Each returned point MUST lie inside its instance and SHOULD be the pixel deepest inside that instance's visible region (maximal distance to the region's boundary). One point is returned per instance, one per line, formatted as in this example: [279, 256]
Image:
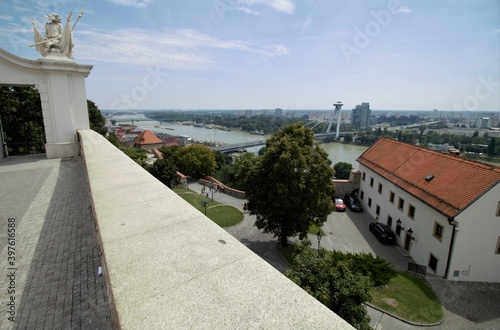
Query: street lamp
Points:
[319, 235]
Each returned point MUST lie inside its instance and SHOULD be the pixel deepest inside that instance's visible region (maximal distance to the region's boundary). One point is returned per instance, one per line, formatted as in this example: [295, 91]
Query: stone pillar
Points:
[61, 83]
[65, 99]
[355, 178]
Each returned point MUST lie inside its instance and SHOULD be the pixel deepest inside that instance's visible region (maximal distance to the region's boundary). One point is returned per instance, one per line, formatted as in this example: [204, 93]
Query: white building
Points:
[444, 210]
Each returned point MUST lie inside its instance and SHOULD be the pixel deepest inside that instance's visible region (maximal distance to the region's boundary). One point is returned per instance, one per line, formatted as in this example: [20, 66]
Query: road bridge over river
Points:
[248, 144]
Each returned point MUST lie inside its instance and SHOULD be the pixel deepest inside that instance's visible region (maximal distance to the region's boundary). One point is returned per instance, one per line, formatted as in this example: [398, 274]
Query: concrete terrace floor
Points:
[56, 248]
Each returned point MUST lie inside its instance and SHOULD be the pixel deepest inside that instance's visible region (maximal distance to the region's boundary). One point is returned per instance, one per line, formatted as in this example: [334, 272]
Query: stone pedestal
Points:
[61, 83]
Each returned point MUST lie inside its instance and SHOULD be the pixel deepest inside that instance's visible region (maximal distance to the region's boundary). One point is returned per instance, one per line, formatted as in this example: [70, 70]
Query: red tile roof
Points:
[456, 182]
[147, 137]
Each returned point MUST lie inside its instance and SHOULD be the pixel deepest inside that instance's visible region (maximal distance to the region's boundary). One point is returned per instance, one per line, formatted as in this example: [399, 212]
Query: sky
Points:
[266, 54]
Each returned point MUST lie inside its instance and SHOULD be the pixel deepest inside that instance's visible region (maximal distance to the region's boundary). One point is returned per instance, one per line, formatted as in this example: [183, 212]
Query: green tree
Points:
[114, 139]
[244, 165]
[491, 147]
[342, 170]
[333, 283]
[222, 159]
[290, 185]
[138, 154]
[348, 138]
[170, 152]
[196, 161]
[96, 119]
[22, 120]
[165, 171]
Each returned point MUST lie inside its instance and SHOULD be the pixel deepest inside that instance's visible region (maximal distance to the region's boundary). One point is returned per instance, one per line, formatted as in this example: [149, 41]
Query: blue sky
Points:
[265, 54]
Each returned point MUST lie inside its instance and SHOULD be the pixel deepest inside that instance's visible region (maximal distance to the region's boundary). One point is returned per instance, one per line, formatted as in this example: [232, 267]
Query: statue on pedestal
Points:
[57, 40]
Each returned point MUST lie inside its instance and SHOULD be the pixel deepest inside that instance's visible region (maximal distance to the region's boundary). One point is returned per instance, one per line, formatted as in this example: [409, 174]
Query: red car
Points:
[339, 205]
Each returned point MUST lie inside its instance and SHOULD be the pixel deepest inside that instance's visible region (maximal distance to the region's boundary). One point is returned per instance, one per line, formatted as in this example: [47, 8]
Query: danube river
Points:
[337, 152]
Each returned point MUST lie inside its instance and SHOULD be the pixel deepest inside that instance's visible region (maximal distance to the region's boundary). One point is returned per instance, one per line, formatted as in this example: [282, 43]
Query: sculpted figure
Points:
[57, 39]
[53, 32]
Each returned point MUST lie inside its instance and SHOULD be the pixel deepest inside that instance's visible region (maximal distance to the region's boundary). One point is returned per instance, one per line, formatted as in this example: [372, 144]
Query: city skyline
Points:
[267, 54]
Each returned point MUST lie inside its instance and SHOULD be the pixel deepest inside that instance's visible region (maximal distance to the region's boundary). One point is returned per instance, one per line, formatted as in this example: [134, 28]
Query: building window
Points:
[377, 210]
[401, 204]
[364, 176]
[371, 182]
[433, 262]
[498, 209]
[411, 212]
[391, 197]
[361, 194]
[379, 188]
[497, 251]
[438, 231]
[389, 221]
[369, 202]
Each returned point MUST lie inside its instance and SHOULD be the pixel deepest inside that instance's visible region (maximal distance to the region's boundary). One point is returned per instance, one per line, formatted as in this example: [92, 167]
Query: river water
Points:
[337, 152]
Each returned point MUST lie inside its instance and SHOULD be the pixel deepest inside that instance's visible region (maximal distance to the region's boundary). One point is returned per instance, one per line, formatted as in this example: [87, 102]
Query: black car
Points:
[383, 232]
[353, 203]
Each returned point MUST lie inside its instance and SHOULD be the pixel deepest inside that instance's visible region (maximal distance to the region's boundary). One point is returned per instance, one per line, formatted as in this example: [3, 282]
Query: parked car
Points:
[353, 203]
[339, 205]
[383, 232]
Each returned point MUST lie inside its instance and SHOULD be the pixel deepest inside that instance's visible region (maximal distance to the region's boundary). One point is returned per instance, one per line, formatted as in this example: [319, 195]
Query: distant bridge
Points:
[238, 146]
[126, 112]
[243, 145]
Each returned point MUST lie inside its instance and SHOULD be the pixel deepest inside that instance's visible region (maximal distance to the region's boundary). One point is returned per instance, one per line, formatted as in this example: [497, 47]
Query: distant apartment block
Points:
[361, 115]
[484, 122]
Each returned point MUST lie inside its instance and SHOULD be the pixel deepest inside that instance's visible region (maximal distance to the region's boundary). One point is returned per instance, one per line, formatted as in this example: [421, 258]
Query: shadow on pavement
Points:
[267, 250]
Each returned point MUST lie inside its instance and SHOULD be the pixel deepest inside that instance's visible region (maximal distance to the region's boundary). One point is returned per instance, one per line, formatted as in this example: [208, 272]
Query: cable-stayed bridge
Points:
[243, 145]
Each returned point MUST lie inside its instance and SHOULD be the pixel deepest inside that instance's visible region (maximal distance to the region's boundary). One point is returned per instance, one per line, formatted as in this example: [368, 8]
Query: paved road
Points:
[467, 305]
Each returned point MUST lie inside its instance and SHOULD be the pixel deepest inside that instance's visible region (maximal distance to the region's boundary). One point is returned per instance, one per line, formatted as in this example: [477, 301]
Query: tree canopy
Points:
[22, 120]
[334, 283]
[342, 170]
[96, 119]
[165, 171]
[196, 160]
[290, 184]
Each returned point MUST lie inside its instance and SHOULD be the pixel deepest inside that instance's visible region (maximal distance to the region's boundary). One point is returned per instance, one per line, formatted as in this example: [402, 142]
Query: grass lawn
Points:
[221, 214]
[313, 229]
[410, 298]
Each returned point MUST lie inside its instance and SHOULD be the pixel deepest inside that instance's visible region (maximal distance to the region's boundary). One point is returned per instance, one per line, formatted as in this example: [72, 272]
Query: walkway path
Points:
[348, 232]
[56, 250]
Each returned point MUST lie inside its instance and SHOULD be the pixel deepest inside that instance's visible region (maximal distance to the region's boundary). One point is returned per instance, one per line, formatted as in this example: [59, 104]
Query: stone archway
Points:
[61, 83]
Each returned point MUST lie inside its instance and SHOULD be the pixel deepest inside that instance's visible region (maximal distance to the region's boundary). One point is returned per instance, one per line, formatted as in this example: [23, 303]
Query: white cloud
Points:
[404, 10]
[6, 17]
[497, 31]
[278, 50]
[284, 6]
[247, 10]
[175, 49]
[132, 3]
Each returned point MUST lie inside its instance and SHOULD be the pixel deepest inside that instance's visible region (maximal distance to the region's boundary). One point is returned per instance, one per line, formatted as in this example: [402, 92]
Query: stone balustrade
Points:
[167, 266]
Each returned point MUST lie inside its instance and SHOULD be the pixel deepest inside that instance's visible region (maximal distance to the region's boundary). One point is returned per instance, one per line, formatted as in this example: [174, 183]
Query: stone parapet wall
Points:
[209, 180]
[167, 266]
[343, 187]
